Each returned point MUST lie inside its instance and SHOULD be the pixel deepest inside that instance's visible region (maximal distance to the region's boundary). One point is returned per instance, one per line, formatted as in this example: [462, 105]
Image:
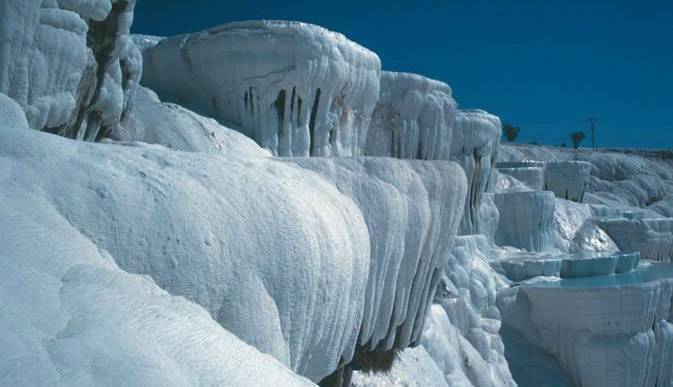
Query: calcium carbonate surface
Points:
[295, 88]
[206, 227]
[526, 220]
[462, 329]
[413, 119]
[610, 331]
[412, 210]
[69, 64]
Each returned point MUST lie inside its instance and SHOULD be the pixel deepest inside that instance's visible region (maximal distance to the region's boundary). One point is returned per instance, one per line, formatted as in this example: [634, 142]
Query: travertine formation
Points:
[604, 321]
[178, 251]
[70, 64]
[151, 121]
[295, 88]
[206, 227]
[526, 220]
[475, 148]
[523, 266]
[461, 333]
[567, 179]
[531, 173]
[412, 210]
[417, 118]
[413, 119]
[71, 316]
[653, 238]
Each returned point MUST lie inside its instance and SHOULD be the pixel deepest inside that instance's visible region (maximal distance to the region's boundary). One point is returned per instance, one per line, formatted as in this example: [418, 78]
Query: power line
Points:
[608, 142]
[592, 122]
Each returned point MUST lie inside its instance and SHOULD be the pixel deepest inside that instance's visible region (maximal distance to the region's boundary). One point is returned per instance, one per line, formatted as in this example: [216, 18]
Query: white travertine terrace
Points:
[489, 217]
[567, 179]
[526, 220]
[206, 227]
[611, 331]
[153, 122]
[461, 333]
[413, 119]
[295, 88]
[653, 238]
[78, 222]
[530, 173]
[178, 251]
[412, 210]
[476, 136]
[520, 267]
[11, 113]
[575, 230]
[417, 118]
[69, 64]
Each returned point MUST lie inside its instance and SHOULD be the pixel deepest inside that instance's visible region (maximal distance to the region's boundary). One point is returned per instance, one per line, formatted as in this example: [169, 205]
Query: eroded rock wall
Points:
[412, 209]
[295, 88]
[413, 119]
[69, 64]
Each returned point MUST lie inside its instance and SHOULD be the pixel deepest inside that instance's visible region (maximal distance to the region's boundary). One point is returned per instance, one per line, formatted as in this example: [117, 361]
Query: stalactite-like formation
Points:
[338, 79]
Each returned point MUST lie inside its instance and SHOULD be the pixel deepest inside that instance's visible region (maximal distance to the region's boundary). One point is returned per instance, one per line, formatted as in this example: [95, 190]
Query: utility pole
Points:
[592, 122]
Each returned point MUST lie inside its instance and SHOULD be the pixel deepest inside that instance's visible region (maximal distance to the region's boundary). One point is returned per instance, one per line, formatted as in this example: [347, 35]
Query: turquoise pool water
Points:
[646, 272]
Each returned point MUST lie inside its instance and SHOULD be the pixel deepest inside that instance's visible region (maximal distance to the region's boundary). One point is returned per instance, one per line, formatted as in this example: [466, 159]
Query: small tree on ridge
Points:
[511, 132]
[577, 138]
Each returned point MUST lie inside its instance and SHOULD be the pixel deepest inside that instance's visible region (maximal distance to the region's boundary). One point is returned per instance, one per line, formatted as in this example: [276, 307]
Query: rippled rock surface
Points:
[412, 210]
[206, 227]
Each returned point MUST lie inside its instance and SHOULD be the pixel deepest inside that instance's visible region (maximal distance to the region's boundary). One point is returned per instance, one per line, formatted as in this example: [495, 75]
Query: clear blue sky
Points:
[542, 65]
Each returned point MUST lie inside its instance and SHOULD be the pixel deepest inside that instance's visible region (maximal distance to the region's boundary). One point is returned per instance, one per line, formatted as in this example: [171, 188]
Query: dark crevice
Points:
[101, 39]
[474, 189]
[84, 95]
[127, 74]
[292, 103]
[400, 151]
[373, 361]
[332, 136]
[102, 133]
[252, 103]
[397, 145]
[280, 108]
[299, 123]
[364, 361]
[341, 377]
[245, 100]
[311, 124]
